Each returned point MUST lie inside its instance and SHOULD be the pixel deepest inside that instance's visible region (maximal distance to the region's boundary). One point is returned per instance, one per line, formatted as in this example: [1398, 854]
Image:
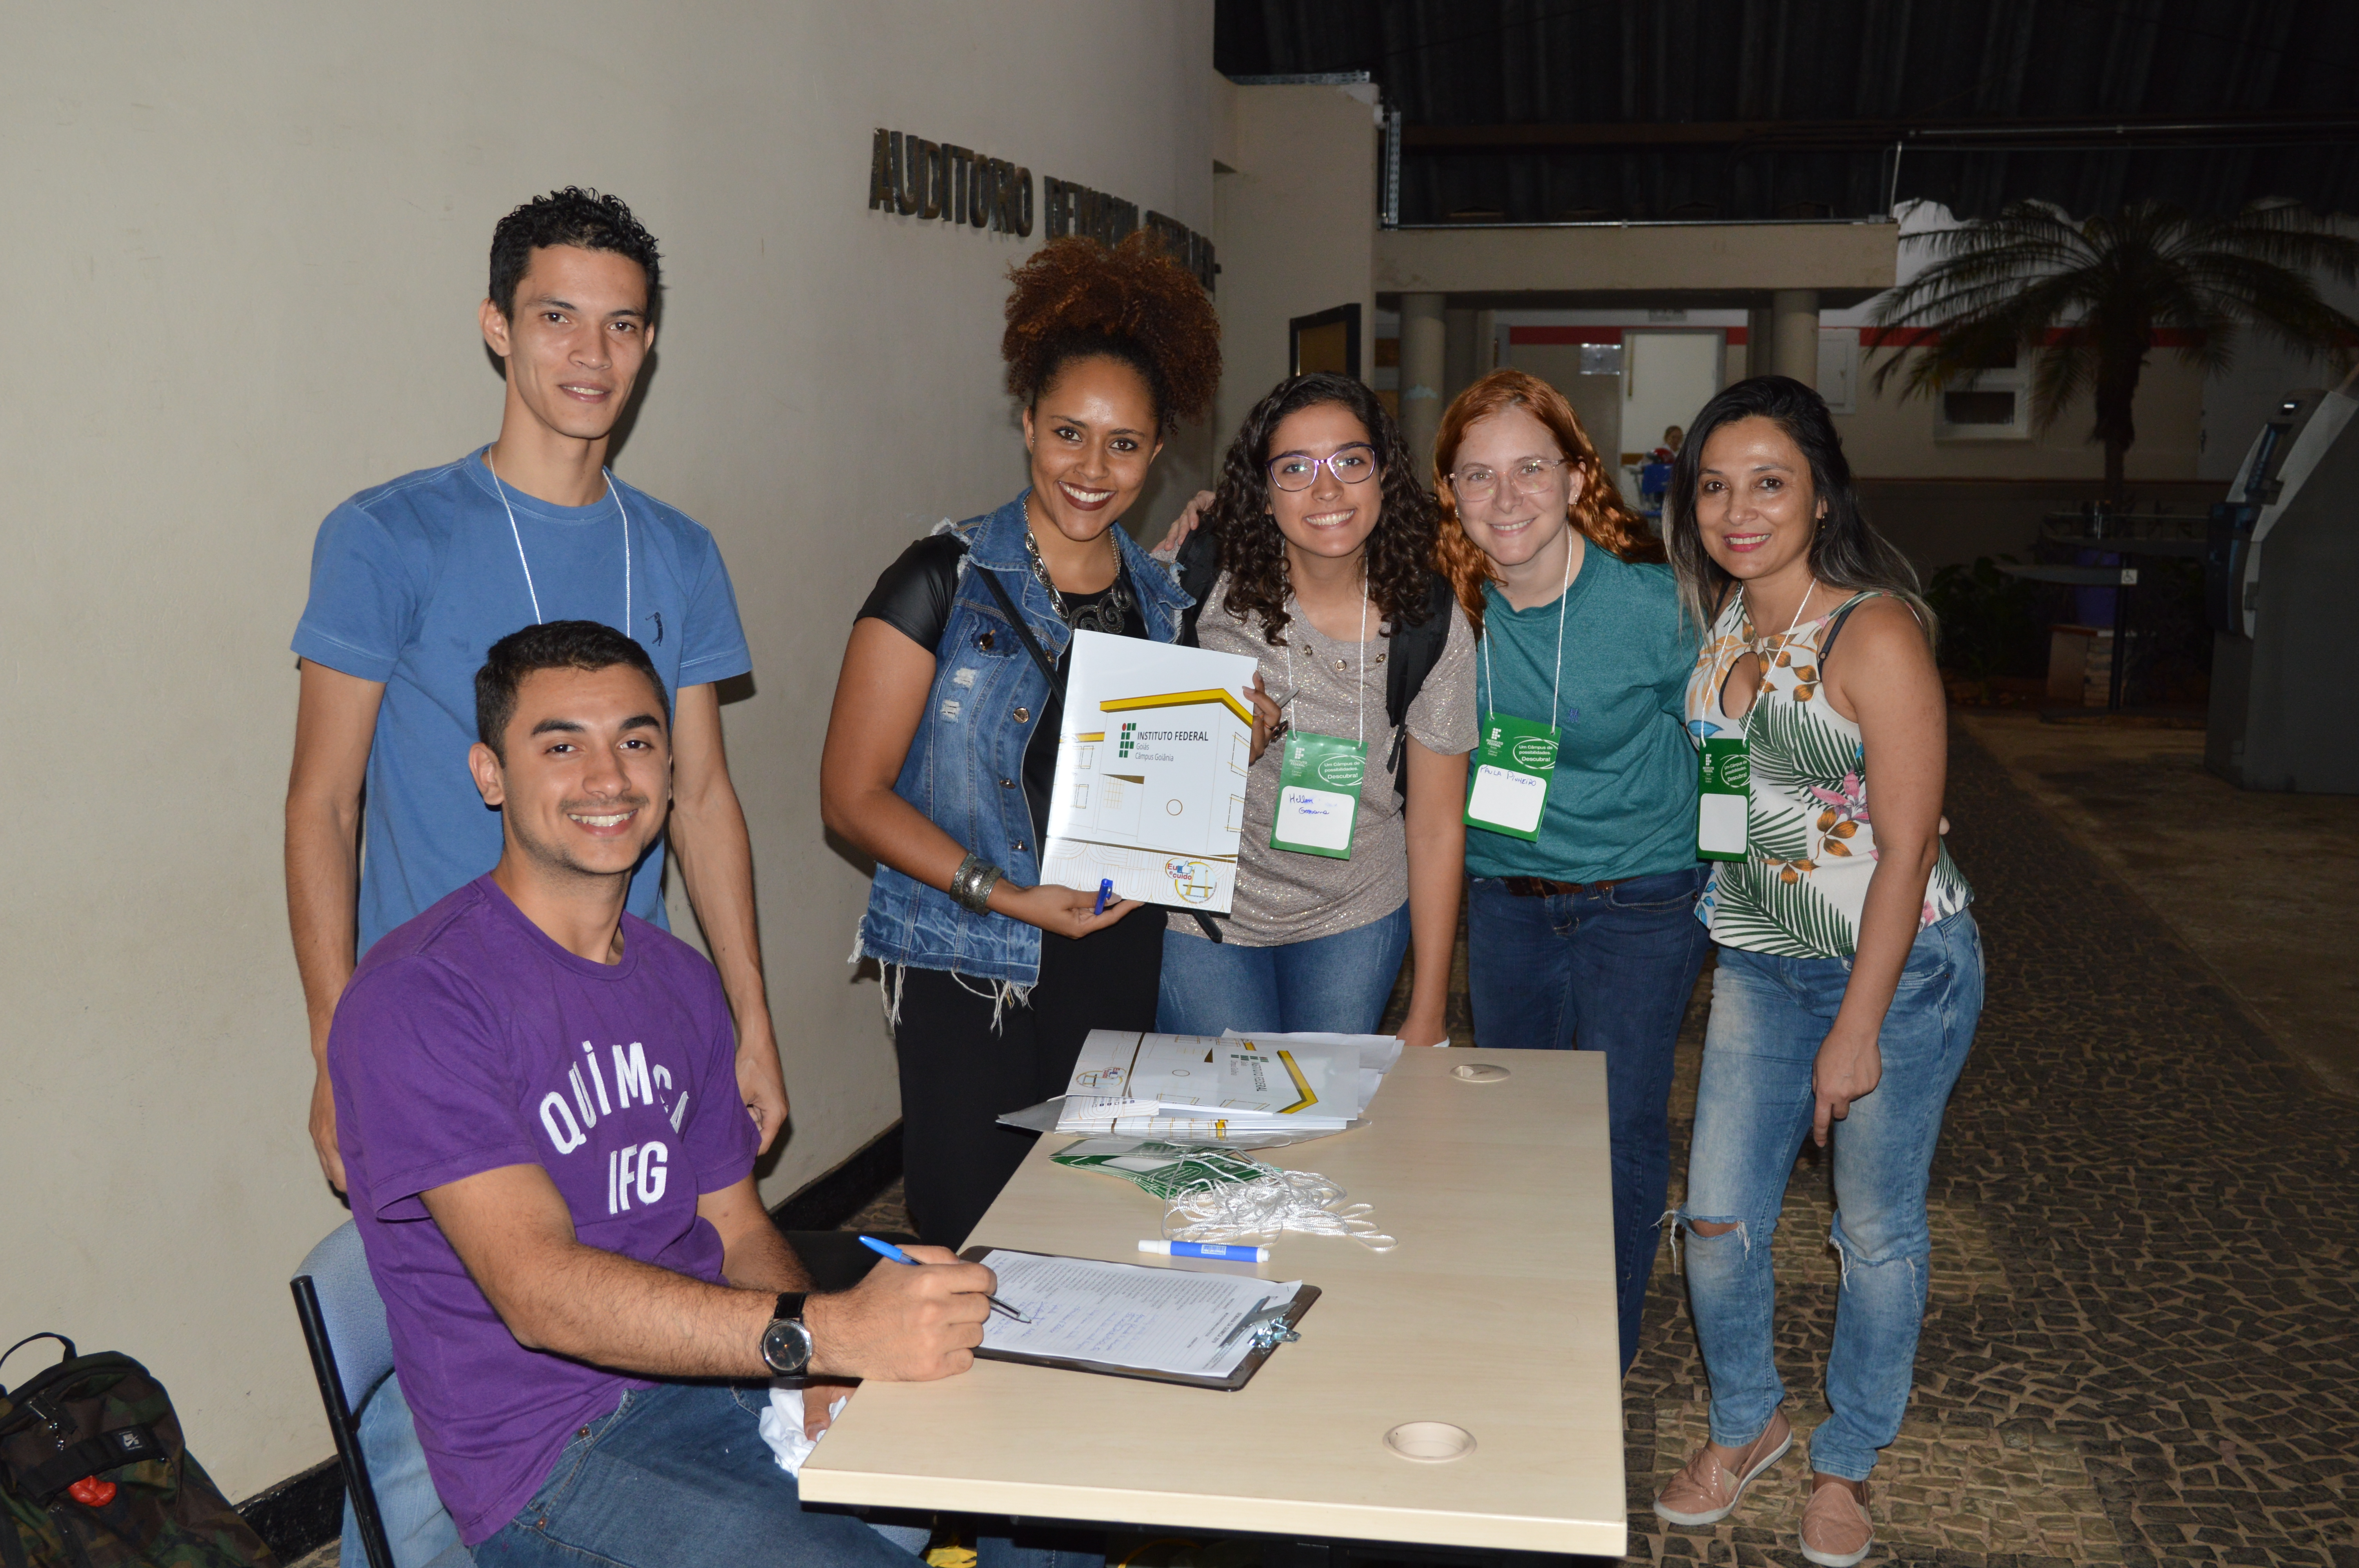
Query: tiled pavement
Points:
[2143, 1342]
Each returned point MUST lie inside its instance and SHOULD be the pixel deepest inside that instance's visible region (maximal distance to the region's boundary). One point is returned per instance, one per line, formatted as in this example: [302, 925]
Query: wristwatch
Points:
[786, 1344]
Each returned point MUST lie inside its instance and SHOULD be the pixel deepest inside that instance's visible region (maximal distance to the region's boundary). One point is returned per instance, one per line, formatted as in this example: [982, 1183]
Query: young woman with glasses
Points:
[1352, 848]
[1850, 977]
[941, 749]
[1580, 929]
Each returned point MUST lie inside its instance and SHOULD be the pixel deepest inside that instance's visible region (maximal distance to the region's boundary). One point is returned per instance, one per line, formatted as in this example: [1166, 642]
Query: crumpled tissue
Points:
[782, 1427]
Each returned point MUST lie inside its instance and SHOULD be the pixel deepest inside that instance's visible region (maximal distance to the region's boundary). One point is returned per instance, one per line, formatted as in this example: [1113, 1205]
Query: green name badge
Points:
[1318, 794]
[1723, 788]
[1513, 764]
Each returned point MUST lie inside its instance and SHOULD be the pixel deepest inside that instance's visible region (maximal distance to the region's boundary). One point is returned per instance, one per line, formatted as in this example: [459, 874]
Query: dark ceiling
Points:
[1552, 110]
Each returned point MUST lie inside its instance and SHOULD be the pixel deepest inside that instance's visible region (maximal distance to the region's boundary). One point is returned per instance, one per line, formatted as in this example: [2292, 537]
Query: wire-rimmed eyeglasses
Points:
[1528, 475]
[1298, 470]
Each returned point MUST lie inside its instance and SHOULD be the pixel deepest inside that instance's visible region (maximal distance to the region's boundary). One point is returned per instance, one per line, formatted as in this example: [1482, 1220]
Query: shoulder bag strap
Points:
[1414, 651]
[1199, 571]
[1015, 619]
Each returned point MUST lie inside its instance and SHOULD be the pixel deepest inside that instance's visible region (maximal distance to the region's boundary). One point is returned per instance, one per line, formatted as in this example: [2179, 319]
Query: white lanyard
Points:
[516, 533]
[1360, 692]
[1756, 653]
[1556, 691]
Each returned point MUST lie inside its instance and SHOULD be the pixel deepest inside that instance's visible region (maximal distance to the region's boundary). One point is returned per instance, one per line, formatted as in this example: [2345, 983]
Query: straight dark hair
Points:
[1846, 553]
[586, 645]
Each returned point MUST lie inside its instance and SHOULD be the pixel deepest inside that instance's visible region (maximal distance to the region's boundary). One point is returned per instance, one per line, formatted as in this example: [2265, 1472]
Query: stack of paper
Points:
[1195, 1087]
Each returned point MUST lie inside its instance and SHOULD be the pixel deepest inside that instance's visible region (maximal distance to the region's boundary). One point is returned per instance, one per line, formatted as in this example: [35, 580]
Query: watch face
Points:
[787, 1347]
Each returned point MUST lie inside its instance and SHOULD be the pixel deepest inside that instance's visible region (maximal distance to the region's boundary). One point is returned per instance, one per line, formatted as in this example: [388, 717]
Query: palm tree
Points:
[2086, 300]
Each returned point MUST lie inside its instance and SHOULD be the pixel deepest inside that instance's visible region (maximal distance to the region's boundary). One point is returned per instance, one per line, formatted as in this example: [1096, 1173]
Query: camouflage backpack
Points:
[93, 1474]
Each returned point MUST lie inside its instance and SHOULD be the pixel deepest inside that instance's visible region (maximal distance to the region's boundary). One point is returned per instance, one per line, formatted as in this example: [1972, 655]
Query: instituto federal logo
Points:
[1129, 739]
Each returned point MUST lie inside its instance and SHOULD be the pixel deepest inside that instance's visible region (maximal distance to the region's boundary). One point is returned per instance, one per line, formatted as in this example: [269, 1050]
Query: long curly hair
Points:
[1252, 551]
[1076, 300]
[1599, 511]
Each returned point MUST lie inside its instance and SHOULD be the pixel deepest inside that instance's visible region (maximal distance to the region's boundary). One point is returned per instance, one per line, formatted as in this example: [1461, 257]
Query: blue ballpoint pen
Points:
[1105, 892]
[886, 1250]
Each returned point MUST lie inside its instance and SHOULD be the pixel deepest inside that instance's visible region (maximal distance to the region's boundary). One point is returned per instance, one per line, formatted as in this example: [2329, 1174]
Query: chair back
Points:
[351, 1352]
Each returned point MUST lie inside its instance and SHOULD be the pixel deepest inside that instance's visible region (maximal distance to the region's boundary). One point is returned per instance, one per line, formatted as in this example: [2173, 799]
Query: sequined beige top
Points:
[1338, 690]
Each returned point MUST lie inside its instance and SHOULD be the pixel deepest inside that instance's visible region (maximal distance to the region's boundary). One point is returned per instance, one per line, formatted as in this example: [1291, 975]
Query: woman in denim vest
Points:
[943, 745]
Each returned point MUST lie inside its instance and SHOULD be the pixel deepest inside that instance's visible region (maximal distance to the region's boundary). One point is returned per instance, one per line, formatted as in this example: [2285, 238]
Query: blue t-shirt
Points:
[1623, 800]
[411, 584]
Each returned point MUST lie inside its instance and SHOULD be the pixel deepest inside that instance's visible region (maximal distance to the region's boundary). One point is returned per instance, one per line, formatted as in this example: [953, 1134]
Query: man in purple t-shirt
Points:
[552, 1170]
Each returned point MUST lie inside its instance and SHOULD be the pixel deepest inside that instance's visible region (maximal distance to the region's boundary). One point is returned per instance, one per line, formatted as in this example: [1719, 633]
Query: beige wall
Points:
[247, 242]
[1892, 438]
[1295, 223]
[1648, 259]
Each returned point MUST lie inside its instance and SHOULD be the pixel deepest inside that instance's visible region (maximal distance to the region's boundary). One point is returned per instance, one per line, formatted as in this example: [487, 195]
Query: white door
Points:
[1666, 377]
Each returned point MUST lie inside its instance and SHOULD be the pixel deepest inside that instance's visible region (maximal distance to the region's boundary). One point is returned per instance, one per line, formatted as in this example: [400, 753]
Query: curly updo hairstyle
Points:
[1253, 552]
[1075, 299]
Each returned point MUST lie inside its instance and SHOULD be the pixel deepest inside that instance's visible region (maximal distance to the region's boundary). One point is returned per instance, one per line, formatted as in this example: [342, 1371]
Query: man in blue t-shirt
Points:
[413, 580]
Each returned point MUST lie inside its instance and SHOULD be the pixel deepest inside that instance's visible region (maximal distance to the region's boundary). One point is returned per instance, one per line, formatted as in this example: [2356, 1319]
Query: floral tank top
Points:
[1809, 841]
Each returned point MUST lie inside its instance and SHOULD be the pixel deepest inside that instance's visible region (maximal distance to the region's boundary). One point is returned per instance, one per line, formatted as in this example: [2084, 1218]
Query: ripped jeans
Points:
[1753, 1111]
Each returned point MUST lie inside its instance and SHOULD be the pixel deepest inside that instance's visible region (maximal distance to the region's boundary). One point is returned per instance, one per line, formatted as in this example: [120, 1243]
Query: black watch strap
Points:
[790, 1305]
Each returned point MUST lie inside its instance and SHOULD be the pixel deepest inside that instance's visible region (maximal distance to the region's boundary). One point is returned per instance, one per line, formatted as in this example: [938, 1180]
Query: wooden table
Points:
[1495, 1314]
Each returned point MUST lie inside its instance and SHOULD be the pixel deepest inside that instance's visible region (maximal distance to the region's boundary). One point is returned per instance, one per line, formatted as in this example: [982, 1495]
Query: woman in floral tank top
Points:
[1850, 974]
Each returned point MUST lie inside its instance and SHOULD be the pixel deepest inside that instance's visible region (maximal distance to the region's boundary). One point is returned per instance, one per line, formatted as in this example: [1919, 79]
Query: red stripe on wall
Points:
[1538, 335]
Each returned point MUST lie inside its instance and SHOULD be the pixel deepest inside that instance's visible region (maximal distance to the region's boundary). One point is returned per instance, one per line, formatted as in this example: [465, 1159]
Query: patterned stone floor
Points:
[2143, 1342]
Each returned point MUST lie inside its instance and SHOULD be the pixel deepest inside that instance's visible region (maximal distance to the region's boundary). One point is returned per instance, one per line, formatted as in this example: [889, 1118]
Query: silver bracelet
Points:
[971, 883]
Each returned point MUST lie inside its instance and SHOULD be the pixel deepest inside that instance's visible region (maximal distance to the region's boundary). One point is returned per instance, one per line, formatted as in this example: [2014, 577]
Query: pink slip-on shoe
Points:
[1705, 1491]
[1835, 1531]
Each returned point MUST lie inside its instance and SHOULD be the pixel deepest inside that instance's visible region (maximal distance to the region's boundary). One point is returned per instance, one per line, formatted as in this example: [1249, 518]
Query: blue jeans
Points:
[679, 1478]
[1600, 971]
[417, 1527]
[1753, 1110]
[1329, 985]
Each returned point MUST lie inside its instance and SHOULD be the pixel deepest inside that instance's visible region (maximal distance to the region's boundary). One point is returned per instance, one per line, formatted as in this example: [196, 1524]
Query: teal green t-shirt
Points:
[1623, 800]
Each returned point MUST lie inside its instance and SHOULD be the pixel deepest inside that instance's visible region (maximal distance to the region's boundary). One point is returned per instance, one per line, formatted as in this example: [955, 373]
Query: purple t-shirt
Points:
[468, 1040]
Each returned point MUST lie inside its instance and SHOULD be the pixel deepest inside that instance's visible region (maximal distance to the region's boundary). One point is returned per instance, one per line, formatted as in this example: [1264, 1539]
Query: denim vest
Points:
[965, 767]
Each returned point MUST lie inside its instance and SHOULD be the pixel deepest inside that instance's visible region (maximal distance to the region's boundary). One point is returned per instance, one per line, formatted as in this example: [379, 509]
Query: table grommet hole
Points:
[1479, 1072]
[1430, 1442]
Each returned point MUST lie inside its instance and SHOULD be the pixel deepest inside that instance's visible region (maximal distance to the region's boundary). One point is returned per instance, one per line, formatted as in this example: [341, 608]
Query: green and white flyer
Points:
[1150, 791]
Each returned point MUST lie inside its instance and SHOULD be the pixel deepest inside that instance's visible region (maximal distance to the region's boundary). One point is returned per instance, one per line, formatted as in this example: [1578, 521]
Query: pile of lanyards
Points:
[1271, 1202]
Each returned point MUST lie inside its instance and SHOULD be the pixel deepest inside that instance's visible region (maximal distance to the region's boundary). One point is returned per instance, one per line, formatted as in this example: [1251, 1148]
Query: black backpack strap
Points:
[1015, 619]
[1414, 651]
[1199, 569]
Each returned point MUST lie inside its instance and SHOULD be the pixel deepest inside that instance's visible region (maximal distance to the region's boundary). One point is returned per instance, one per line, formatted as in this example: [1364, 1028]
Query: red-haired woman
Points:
[942, 745]
[1582, 839]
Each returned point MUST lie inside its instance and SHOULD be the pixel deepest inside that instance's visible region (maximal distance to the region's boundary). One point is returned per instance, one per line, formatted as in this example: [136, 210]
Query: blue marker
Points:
[1105, 892]
[1206, 1249]
[893, 1254]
